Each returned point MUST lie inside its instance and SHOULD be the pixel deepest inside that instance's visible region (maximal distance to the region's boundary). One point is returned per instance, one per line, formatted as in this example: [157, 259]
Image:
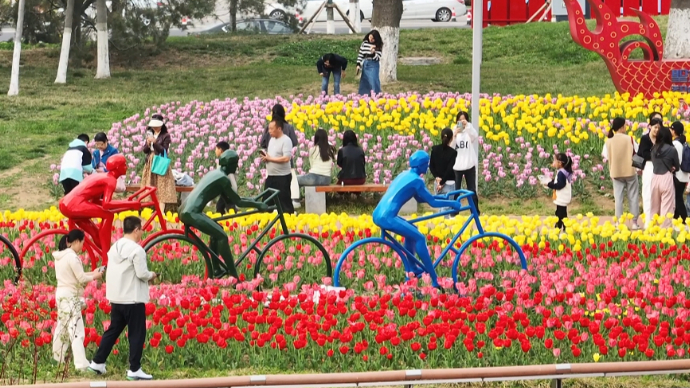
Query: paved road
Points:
[7, 33]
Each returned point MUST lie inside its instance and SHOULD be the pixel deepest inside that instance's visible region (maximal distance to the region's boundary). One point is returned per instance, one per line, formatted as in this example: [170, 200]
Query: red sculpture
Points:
[653, 74]
[92, 198]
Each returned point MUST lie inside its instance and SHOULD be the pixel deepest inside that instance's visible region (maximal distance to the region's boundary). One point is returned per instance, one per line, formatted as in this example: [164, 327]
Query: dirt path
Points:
[20, 188]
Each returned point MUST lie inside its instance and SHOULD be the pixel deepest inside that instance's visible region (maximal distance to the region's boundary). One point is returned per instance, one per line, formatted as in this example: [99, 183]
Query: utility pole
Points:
[477, 30]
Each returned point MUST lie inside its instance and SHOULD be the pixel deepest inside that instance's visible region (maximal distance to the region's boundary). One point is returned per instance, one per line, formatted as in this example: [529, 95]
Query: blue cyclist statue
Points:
[404, 187]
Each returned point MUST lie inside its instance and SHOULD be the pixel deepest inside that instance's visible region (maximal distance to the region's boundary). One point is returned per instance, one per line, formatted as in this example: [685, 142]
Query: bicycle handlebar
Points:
[460, 193]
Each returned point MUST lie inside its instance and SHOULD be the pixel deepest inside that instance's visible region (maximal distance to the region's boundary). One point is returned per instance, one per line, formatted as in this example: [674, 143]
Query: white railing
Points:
[407, 378]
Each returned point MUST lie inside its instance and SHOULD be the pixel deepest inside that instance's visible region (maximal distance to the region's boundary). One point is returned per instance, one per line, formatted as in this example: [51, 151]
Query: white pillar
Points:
[477, 29]
[354, 16]
[330, 23]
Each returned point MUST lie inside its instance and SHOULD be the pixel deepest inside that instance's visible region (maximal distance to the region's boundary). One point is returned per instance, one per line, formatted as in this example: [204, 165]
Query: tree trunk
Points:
[677, 45]
[14, 78]
[233, 15]
[386, 19]
[103, 67]
[66, 41]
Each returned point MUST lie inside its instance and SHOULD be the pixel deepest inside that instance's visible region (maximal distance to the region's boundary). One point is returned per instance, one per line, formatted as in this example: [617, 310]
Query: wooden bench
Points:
[315, 196]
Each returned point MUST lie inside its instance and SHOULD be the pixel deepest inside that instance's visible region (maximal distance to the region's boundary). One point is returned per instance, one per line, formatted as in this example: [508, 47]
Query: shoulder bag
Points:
[637, 160]
[160, 164]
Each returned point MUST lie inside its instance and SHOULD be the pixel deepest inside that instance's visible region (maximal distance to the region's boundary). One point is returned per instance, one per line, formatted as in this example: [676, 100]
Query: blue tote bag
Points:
[160, 164]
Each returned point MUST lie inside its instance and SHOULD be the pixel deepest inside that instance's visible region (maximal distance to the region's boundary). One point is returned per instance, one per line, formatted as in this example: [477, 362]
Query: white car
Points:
[438, 10]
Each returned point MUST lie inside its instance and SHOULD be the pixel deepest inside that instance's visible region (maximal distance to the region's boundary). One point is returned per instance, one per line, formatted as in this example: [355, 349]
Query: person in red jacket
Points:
[93, 198]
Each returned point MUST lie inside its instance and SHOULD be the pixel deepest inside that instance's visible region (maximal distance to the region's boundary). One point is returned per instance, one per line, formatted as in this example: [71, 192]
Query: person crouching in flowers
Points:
[69, 271]
[561, 185]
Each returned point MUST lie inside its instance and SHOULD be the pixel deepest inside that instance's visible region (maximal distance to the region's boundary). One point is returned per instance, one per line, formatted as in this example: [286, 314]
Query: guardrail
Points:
[407, 378]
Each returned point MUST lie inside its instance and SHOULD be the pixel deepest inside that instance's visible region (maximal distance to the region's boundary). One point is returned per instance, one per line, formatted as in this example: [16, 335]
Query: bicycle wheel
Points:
[370, 265]
[291, 260]
[488, 259]
[36, 256]
[10, 265]
[173, 256]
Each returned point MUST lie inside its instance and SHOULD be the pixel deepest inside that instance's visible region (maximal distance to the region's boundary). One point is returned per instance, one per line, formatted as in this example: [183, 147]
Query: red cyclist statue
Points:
[93, 198]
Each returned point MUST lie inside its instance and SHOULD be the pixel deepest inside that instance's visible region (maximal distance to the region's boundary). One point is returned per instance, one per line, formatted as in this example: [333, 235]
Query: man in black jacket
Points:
[331, 63]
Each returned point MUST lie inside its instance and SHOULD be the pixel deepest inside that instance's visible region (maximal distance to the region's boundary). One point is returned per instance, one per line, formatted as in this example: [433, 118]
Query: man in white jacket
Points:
[127, 289]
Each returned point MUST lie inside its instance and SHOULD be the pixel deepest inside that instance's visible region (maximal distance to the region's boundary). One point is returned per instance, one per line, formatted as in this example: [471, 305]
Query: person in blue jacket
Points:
[102, 153]
[75, 163]
[410, 184]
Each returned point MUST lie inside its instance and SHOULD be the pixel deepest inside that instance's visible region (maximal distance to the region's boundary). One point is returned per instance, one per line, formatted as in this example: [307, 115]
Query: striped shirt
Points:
[365, 53]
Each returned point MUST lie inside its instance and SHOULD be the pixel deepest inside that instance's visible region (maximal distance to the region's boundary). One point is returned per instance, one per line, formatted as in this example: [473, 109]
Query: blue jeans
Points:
[313, 180]
[447, 188]
[336, 81]
[370, 78]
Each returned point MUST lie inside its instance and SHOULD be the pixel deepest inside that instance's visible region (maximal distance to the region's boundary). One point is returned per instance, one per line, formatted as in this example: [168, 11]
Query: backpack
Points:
[685, 162]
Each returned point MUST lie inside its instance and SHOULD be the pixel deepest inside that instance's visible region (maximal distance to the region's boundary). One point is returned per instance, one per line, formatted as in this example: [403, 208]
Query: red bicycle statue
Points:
[93, 198]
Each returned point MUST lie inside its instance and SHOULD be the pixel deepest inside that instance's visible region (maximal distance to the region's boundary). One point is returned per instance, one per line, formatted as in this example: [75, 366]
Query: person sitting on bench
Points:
[213, 185]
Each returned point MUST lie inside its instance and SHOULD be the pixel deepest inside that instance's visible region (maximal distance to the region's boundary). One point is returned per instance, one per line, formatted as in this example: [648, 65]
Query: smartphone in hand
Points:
[262, 152]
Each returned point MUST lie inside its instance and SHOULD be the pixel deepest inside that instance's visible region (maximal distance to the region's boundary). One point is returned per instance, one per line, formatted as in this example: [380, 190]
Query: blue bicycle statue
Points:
[404, 187]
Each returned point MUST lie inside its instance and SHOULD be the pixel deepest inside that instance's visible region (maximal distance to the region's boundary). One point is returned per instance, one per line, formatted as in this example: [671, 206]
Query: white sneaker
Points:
[97, 368]
[138, 375]
[296, 204]
[635, 227]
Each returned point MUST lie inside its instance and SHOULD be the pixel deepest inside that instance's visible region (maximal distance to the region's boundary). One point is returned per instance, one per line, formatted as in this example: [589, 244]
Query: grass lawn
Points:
[36, 126]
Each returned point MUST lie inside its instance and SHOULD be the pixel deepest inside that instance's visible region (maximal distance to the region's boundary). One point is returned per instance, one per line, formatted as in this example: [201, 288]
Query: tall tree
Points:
[103, 56]
[385, 18]
[66, 41]
[677, 45]
[14, 77]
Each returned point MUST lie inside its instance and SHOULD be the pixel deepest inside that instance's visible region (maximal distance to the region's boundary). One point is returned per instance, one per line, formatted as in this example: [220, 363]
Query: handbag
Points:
[160, 164]
[637, 160]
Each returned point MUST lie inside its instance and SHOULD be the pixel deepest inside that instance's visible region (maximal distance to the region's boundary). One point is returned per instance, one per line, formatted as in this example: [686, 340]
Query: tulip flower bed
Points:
[519, 134]
[594, 293]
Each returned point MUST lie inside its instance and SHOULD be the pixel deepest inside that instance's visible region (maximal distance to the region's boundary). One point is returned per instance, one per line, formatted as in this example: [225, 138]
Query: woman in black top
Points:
[441, 164]
[351, 160]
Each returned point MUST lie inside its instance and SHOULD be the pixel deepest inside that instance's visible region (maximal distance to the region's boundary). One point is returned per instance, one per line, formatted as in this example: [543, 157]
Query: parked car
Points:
[257, 26]
[437, 10]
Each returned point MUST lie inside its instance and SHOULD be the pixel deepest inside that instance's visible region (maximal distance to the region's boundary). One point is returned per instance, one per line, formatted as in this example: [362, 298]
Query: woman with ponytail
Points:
[69, 271]
[618, 151]
[441, 164]
[562, 194]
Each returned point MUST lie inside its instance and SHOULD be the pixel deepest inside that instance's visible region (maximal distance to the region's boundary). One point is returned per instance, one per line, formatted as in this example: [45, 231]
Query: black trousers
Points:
[69, 185]
[282, 184]
[132, 316]
[470, 183]
[681, 212]
[222, 207]
[561, 213]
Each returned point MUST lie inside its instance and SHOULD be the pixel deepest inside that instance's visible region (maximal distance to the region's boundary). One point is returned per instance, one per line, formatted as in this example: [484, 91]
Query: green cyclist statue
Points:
[214, 184]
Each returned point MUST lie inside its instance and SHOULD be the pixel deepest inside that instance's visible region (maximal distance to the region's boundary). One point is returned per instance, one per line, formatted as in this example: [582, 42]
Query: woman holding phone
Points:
[464, 136]
[71, 278]
[368, 63]
[157, 144]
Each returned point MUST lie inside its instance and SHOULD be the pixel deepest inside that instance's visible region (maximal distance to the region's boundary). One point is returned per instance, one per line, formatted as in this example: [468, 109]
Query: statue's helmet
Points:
[228, 161]
[117, 164]
[419, 162]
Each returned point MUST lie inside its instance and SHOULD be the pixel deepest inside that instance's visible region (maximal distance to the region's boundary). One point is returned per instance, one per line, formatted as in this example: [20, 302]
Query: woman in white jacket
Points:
[681, 178]
[69, 271]
[465, 165]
